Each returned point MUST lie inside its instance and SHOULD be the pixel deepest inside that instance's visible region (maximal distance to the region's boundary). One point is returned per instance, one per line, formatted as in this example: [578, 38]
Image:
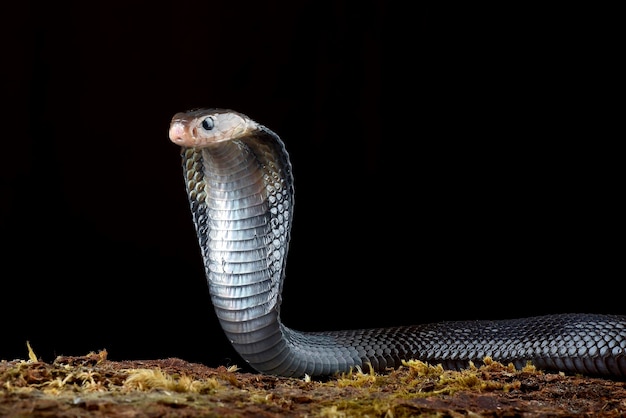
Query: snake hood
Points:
[239, 184]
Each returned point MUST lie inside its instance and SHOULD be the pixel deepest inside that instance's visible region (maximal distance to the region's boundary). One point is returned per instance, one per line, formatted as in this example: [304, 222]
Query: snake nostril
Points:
[177, 132]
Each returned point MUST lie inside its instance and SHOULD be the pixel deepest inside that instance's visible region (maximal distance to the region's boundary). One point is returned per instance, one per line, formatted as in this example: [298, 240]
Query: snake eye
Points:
[208, 124]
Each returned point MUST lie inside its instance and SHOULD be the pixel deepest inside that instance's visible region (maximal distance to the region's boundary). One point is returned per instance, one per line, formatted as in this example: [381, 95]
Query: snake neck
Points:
[241, 199]
[242, 208]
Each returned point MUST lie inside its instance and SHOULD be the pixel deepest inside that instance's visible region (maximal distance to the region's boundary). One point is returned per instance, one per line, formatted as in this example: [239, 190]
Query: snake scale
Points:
[239, 183]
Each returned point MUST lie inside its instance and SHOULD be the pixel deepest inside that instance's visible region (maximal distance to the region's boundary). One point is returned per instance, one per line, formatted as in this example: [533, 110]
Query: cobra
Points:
[240, 188]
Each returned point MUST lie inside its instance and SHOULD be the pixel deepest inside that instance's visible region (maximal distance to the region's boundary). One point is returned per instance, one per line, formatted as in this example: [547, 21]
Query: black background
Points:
[456, 163]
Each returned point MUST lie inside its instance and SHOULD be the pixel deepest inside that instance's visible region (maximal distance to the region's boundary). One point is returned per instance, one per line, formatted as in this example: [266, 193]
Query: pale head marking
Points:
[202, 127]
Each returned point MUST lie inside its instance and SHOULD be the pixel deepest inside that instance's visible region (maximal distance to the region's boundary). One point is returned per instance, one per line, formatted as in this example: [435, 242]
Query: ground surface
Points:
[92, 386]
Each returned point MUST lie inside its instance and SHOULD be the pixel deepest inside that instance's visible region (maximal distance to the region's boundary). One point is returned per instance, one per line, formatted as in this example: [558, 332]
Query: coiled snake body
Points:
[240, 187]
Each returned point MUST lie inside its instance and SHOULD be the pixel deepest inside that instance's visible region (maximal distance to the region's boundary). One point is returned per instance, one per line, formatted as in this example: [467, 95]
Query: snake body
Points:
[239, 183]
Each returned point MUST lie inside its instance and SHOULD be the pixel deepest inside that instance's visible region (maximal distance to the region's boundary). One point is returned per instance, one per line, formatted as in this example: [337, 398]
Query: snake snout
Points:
[178, 134]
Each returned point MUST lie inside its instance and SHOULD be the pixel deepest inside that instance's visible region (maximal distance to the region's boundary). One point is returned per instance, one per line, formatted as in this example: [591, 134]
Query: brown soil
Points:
[92, 386]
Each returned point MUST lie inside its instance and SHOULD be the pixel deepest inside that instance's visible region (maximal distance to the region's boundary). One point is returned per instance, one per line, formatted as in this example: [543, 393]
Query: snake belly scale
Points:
[239, 183]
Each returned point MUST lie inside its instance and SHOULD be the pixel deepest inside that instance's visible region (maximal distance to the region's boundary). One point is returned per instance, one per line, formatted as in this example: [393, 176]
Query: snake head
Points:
[203, 127]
